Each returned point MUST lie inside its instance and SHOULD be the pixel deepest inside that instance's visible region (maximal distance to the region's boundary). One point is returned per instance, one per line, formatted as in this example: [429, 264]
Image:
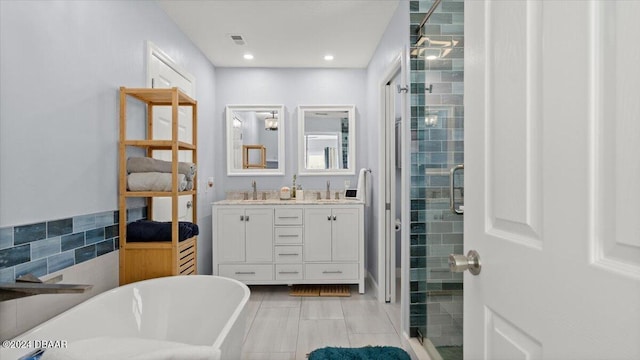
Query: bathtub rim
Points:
[222, 335]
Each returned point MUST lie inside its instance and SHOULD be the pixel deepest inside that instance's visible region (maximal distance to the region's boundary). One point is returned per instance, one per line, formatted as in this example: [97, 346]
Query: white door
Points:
[552, 174]
[163, 74]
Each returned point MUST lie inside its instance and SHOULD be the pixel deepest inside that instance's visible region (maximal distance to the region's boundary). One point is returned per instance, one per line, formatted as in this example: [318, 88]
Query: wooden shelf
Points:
[146, 260]
[159, 144]
[159, 97]
[156, 193]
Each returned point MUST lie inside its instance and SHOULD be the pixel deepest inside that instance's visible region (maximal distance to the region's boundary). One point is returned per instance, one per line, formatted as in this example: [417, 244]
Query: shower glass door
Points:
[437, 118]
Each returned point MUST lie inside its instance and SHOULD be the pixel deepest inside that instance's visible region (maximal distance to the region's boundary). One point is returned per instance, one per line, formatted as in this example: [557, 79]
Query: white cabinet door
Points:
[230, 234]
[344, 234]
[259, 235]
[317, 234]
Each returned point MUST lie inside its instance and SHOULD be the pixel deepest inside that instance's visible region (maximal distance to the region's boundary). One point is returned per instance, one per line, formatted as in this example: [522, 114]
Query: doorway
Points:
[392, 123]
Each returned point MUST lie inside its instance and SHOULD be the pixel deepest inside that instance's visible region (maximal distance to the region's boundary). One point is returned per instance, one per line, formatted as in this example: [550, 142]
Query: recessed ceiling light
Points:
[328, 57]
[248, 56]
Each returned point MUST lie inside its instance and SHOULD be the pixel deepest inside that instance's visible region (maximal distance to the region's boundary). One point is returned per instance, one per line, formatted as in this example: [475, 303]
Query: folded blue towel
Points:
[148, 230]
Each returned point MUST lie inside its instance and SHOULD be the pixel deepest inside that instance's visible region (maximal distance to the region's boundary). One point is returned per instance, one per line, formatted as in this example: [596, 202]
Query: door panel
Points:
[344, 243]
[230, 235]
[259, 235]
[616, 130]
[550, 165]
[317, 234]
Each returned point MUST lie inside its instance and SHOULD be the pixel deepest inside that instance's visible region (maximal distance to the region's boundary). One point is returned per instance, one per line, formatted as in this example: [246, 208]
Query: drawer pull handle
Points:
[334, 218]
[288, 272]
[288, 217]
[329, 217]
[245, 272]
[288, 254]
[332, 272]
[291, 236]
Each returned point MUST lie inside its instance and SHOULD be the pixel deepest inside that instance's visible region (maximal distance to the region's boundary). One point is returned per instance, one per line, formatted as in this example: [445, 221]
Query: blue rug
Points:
[364, 353]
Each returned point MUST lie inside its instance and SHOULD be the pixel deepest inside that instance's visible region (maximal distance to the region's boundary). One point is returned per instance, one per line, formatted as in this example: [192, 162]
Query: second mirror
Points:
[326, 139]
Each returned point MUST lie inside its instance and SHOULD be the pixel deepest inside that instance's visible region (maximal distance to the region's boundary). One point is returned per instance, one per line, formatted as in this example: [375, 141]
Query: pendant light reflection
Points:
[271, 122]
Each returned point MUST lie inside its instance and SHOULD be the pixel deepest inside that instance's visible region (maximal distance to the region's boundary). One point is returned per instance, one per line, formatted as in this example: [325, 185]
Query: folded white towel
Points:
[147, 164]
[154, 181]
[109, 348]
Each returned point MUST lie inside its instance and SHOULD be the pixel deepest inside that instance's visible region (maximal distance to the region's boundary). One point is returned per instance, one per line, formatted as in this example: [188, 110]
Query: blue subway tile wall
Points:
[437, 144]
[6, 237]
[46, 247]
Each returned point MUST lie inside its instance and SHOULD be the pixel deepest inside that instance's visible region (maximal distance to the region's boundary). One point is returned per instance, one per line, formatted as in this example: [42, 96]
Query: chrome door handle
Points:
[452, 196]
[460, 263]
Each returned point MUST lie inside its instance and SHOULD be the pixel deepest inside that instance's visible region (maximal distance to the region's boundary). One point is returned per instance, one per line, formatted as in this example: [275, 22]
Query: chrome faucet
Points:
[328, 191]
[255, 190]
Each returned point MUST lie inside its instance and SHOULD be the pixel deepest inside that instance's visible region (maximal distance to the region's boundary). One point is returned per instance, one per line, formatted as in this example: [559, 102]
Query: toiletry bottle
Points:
[293, 188]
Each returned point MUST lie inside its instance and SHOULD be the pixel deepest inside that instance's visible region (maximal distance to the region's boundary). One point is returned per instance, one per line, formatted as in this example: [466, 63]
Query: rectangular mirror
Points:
[326, 140]
[255, 139]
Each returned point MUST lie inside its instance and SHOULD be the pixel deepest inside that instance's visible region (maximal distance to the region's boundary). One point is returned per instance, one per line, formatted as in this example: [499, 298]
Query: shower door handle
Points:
[460, 263]
[452, 195]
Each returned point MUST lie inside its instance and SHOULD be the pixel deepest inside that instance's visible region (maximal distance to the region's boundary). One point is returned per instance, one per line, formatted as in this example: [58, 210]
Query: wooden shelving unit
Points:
[146, 260]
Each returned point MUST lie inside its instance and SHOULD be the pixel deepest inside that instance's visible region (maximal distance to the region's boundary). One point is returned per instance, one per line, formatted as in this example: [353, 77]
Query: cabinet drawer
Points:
[288, 235]
[247, 272]
[331, 271]
[289, 272]
[288, 216]
[288, 254]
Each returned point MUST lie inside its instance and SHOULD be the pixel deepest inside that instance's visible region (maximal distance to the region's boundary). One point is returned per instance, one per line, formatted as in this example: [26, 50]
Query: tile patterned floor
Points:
[283, 327]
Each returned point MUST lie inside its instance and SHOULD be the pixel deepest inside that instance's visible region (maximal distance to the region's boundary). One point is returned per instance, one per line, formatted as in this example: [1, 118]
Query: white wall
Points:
[61, 63]
[291, 87]
[394, 41]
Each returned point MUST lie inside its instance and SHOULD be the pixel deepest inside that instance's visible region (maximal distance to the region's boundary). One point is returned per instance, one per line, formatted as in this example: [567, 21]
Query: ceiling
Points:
[284, 33]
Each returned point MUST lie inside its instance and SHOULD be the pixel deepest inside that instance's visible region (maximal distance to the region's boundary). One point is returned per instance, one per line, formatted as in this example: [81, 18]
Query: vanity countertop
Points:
[291, 202]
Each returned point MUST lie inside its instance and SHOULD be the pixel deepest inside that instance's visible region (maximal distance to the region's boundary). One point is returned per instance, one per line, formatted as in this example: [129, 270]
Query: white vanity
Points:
[289, 242]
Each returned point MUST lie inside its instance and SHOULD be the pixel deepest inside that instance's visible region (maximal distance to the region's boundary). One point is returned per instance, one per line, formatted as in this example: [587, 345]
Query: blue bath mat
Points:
[364, 353]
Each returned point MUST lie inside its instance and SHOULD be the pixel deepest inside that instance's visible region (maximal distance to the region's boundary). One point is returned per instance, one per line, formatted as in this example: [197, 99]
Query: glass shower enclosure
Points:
[437, 147]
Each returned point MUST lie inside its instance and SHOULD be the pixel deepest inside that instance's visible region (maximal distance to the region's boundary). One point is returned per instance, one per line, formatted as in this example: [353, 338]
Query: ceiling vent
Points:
[238, 40]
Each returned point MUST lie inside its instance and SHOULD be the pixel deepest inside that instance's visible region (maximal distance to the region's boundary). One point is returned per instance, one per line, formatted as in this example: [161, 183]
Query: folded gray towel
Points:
[154, 181]
[147, 164]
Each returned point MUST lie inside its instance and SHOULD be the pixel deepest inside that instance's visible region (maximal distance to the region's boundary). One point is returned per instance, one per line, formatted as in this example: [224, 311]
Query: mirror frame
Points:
[229, 109]
[302, 151]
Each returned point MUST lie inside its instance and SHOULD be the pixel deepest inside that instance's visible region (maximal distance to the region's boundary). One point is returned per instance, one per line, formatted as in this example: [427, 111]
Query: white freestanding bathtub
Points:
[161, 315]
